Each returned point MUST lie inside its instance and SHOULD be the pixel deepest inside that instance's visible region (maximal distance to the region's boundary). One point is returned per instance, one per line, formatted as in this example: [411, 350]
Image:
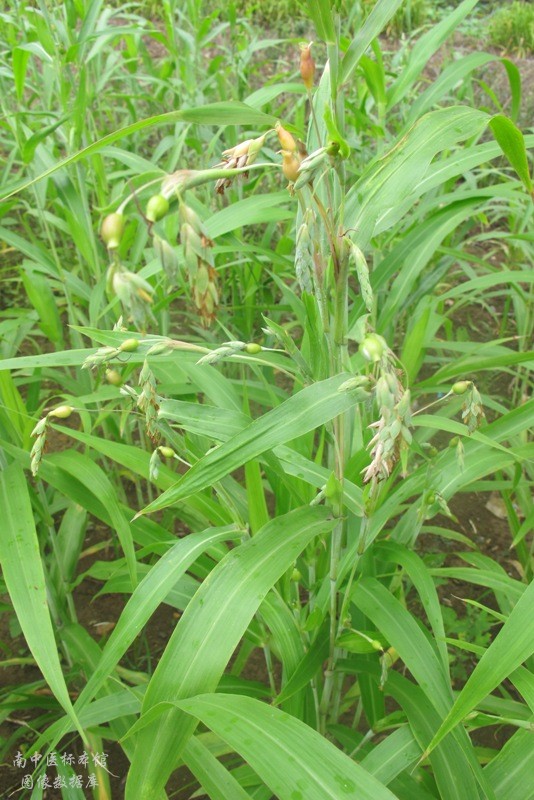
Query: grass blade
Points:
[375, 22]
[25, 580]
[225, 113]
[295, 761]
[208, 633]
[302, 413]
[511, 647]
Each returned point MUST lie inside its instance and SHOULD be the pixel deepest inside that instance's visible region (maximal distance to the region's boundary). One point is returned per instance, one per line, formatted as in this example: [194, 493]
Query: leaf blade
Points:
[290, 757]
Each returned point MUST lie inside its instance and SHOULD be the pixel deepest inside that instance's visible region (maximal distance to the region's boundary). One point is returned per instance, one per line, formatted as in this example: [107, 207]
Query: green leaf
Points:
[28, 148]
[412, 254]
[371, 198]
[20, 64]
[419, 575]
[42, 299]
[138, 461]
[510, 772]
[425, 48]
[23, 574]
[305, 411]
[149, 594]
[221, 424]
[258, 208]
[208, 633]
[398, 752]
[217, 782]
[65, 358]
[440, 423]
[286, 643]
[513, 644]
[512, 143]
[401, 629]
[266, 94]
[295, 761]
[83, 469]
[219, 114]
[446, 82]
[453, 760]
[321, 13]
[307, 668]
[382, 12]
[459, 70]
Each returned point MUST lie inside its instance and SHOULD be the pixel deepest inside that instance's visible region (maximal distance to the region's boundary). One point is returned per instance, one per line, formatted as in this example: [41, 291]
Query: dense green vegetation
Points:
[512, 28]
[265, 342]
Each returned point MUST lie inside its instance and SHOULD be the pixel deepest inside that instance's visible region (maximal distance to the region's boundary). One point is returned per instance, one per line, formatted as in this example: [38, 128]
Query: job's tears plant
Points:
[301, 460]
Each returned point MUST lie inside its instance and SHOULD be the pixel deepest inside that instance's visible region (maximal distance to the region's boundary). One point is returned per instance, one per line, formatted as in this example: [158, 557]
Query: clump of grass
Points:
[512, 28]
[271, 12]
[410, 16]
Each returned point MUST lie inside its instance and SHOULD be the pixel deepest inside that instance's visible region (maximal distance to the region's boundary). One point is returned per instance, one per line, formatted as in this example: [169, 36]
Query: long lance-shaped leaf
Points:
[402, 167]
[510, 772]
[90, 474]
[400, 628]
[251, 211]
[145, 532]
[411, 255]
[285, 642]
[512, 646]
[513, 146]
[382, 12]
[106, 709]
[25, 581]
[479, 461]
[217, 782]
[138, 461]
[302, 413]
[307, 667]
[418, 573]
[207, 634]
[149, 594]
[523, 681]
[458, 71]
[221, 424]
[321, 13]
[450, 761]
[459, 163]
[393, 755]
[227, 113]
[442, 171]
[425, 48]
[295, 762]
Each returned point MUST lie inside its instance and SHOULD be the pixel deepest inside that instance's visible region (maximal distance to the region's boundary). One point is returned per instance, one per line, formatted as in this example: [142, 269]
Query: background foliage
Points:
[262, 422]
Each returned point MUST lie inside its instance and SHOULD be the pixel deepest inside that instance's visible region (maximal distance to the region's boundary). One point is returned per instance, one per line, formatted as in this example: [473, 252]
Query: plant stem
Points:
[337, 362]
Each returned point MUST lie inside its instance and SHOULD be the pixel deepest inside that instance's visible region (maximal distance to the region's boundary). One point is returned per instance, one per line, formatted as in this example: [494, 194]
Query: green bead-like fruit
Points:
[61, 412]
[166, 452]
[129, 345]
[112, 230]
[372, 347]
[252, 348]
[461, 387]
[156, 208]
[113, 377]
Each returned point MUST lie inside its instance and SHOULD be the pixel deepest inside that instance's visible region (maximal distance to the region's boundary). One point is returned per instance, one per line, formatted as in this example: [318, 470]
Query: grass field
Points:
[266, 405]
